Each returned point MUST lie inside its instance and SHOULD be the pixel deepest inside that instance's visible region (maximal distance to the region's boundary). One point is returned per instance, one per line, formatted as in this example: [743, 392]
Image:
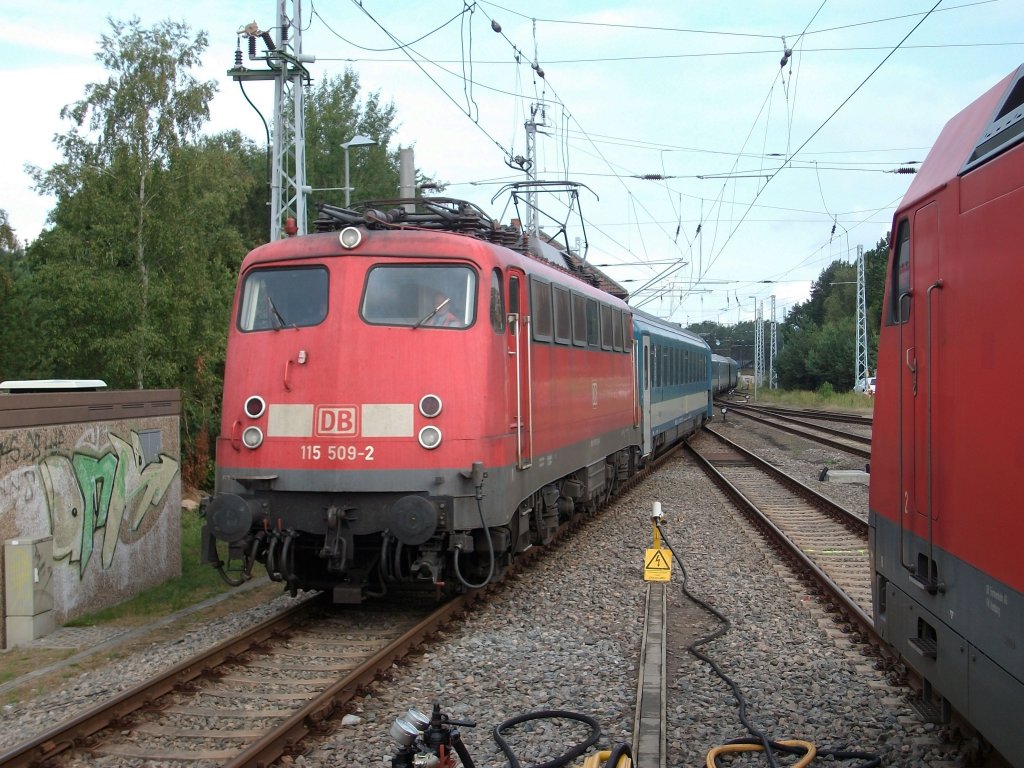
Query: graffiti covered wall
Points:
[107, 492]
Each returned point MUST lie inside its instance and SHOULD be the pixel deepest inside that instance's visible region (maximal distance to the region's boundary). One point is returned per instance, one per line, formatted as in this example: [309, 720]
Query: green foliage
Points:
[817, 339]
[836, 401]
[333, 116]
[133, 281]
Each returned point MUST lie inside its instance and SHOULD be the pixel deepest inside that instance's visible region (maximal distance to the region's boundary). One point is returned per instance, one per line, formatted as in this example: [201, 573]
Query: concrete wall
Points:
[99, 473]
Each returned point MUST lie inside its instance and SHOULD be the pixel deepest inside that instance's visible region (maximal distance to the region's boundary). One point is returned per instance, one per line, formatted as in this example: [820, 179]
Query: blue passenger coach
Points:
[673, 368]
[724, 374]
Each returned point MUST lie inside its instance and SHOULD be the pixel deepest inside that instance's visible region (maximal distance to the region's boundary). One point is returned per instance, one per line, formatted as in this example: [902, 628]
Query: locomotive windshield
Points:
[414, 295]
[273, 299]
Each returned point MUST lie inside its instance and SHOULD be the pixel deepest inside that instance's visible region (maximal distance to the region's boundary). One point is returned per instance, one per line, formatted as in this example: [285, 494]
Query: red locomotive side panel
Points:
[946, 529]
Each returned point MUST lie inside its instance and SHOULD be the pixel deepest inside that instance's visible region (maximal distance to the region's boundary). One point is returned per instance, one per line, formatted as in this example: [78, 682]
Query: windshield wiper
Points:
[433, 312]
[281, 322]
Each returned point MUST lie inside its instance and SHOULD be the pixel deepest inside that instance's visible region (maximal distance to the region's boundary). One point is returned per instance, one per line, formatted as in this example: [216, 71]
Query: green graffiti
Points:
[89, 494]
[96, 479]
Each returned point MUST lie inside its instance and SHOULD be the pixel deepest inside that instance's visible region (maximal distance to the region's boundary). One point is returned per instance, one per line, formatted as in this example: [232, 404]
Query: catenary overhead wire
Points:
[469, 111]
[404, 48]
[649, 28]
[823, 124]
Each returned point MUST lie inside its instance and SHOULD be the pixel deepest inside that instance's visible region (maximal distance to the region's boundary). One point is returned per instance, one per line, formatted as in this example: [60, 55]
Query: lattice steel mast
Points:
[286, 63]
[861, 370]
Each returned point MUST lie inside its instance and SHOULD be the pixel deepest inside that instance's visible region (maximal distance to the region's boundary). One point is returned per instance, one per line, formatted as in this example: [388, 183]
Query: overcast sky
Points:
[766, 173]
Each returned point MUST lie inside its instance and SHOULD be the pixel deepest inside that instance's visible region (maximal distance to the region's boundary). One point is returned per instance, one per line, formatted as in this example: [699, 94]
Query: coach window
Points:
[579, 320]
[563, 314]
[540, 309]
[899, 311]
[412, 295]
[593, 323]
[606, 327]
[273, 299]
[617, 330]
[627, 332]
[497, 302]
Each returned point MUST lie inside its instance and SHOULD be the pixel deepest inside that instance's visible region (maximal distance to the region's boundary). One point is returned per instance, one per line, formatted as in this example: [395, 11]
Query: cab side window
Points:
[497, 303]
[899, 287]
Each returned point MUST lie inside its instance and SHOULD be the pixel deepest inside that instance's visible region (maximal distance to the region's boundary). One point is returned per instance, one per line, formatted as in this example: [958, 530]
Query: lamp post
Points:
[355, 141]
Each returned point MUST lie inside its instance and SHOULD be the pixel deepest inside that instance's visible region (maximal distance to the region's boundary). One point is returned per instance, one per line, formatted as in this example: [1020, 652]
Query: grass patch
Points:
[198, 582]
[826, 401]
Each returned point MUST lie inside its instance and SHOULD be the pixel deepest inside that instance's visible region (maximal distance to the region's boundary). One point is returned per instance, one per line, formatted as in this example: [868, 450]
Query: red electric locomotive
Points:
[412, 397]
[946, 531]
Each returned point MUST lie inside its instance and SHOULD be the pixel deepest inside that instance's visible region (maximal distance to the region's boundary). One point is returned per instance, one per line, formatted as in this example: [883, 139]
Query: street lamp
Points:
[355, 141]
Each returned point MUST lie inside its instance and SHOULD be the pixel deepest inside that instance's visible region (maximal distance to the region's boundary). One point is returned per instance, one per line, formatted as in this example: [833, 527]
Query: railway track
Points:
[829, 543]
[827, 547]
[253, 698]
[812, 414]
[249, 699]
[844, 440]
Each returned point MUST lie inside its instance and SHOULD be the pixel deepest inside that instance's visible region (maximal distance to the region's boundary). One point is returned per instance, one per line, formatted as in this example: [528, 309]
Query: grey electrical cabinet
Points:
[28, 596]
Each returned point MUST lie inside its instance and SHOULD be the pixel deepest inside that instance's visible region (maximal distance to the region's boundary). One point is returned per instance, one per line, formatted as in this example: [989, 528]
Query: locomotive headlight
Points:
[430, 405]
[252, 437]
[430, 437]
[350, 237]
[255, 406]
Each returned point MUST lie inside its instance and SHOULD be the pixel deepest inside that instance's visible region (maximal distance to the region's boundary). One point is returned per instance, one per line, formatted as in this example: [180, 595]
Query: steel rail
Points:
[846, 605]
[287, 734]
[70, 733]
[846, 447]
[840, 513]
[804, 413]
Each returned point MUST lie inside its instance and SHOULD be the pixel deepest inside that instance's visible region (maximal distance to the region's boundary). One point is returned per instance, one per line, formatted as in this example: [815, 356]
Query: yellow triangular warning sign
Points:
[658, 565]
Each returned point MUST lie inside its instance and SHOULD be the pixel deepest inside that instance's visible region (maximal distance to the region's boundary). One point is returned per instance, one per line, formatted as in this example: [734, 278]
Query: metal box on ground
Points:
[28, 569]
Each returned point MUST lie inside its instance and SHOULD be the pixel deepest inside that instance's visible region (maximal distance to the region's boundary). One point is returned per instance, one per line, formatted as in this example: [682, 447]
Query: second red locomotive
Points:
[946, 530]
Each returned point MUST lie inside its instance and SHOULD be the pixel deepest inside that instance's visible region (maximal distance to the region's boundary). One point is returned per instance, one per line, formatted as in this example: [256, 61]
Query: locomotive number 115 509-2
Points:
[336, 453]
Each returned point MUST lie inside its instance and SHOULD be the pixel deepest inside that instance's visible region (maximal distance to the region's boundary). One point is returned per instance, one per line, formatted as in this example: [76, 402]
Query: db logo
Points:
[336, 420]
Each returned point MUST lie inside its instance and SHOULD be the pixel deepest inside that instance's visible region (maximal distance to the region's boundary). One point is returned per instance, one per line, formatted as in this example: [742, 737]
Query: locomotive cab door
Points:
[519, 371]
[917, 288]
[644, 385]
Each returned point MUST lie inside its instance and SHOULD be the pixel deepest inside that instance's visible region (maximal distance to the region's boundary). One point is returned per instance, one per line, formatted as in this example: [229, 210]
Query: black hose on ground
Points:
[548, 714]
[768, 745]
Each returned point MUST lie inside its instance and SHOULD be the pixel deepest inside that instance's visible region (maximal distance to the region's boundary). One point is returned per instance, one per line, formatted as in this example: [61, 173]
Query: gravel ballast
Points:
[566, 635]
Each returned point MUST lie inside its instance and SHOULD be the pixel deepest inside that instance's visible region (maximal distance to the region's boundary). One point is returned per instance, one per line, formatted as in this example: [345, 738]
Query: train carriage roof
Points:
[990, 125]
[667, 328]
